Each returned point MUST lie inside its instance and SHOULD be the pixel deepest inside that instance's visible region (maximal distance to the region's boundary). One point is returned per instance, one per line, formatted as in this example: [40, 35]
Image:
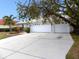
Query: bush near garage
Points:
[17, 29]
[27, 30]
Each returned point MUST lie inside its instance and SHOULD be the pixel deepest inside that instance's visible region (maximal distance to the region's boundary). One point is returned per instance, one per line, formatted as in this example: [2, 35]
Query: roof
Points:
[21, 22]
[5, 26]
[1, 21]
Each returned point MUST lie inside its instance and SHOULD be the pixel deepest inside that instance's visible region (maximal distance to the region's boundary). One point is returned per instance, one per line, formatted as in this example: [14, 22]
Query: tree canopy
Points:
[47, 8]
[9, 20]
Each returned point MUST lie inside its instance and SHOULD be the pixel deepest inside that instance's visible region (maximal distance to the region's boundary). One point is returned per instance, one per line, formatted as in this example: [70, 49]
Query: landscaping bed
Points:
[74, 51]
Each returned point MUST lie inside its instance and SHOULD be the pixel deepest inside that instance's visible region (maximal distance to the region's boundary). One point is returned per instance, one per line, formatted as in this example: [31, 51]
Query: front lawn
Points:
[7, 34]
[74, 51]
[2, 35]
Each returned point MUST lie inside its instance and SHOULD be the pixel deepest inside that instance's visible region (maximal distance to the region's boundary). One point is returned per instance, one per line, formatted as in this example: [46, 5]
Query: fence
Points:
[61, 28]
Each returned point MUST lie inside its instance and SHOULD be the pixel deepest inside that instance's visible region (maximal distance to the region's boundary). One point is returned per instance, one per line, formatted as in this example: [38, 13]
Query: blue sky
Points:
[8, 7]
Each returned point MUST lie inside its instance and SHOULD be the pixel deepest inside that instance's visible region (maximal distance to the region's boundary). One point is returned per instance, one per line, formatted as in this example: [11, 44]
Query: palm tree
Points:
[8, 20]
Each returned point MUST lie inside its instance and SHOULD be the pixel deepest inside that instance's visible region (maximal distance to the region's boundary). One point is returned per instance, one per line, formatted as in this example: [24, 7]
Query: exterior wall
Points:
[61, 28]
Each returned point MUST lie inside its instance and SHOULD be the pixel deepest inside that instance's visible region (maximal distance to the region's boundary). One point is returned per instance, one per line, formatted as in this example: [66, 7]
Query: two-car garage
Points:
[61, 28]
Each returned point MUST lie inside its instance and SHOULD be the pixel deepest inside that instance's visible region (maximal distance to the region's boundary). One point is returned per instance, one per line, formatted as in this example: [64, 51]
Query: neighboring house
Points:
[1, 21]
[3, 27]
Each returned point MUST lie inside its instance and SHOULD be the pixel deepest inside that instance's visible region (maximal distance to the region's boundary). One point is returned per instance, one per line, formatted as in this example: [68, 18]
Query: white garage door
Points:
[40, 28]
[47, 28]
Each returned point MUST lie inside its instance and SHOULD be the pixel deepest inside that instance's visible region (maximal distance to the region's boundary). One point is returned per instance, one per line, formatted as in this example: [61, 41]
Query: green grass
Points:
[2, 35]
[74, 51]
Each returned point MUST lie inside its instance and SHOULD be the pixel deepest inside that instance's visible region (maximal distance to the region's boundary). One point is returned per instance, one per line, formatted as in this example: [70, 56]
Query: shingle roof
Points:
[1, 21]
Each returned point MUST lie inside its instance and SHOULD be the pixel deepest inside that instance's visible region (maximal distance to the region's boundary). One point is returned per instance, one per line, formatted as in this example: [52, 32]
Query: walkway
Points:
[36, 46]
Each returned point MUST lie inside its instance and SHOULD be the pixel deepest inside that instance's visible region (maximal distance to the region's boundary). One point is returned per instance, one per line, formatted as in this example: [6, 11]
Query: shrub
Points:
[17, 29]
[27, 30]
[4, 30]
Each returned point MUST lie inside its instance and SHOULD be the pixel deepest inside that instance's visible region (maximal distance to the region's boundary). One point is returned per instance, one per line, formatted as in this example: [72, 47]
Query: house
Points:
[1, 21]
[38, 25]
[4, 27]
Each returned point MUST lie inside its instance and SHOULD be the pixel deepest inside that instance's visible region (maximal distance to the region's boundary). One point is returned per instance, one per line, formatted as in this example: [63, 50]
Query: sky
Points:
[8, 7]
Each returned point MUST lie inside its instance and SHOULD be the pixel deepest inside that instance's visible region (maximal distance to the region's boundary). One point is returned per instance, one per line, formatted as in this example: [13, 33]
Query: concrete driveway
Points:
[36, 46]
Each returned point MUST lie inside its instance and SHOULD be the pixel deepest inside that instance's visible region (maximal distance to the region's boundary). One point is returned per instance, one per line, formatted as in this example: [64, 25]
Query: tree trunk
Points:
[23, 27]
[76, 30]
[10, 28]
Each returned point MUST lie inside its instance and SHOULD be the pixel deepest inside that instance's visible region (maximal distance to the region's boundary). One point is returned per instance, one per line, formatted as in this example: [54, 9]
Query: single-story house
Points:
[4, 27]
[37, 25]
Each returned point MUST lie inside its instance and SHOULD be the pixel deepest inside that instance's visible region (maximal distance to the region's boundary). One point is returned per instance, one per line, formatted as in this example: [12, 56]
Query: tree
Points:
[48, 8]
[28, 11]
[72, 10]
[8, 20]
